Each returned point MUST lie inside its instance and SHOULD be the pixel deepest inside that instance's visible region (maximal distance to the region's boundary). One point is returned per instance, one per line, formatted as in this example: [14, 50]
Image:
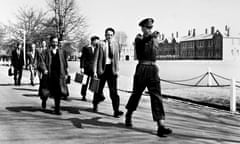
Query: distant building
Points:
[127, 52]
[207, 46]
[203, 46]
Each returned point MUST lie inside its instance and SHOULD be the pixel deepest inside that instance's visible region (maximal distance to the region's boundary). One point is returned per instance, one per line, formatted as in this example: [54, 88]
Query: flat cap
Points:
[148, 22]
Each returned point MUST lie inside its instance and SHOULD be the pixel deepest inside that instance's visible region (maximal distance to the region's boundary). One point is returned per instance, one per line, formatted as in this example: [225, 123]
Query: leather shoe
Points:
[84, 99]
[43, 104]
[57, 112]
[95, 108]
[162, 131]
[117, 114]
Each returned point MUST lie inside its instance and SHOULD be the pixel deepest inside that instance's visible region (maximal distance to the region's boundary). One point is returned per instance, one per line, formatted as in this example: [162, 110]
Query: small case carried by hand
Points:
[94, 84]
[78, 77]
[10, 71]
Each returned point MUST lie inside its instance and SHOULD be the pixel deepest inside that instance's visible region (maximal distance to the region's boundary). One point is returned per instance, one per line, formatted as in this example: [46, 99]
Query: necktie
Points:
[110, 53]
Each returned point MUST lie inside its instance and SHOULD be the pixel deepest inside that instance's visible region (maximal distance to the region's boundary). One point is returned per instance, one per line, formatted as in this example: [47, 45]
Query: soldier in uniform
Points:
[146, 75]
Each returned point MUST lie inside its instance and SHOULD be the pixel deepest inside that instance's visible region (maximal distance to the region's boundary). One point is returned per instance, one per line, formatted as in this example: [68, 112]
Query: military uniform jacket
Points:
[146, 47]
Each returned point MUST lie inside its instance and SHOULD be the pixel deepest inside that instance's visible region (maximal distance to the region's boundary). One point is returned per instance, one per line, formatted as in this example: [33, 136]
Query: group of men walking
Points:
[101, 59]
[51, 64]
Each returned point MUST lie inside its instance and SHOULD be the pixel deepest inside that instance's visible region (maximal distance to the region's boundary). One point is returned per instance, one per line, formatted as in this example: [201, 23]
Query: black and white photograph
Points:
[120, 72]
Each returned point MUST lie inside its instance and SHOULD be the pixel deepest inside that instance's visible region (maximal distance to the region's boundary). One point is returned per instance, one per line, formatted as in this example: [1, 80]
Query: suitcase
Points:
[78, 77]
[94, 84]
[10, 71]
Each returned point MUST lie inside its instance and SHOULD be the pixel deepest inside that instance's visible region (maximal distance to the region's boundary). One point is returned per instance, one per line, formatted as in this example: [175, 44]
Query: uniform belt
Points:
[147, 62]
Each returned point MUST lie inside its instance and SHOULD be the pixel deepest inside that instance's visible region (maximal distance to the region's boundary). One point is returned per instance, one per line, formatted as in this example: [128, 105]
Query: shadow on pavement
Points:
[7, 84]
[77, 122]
[25, 89]
[95, 122]
[28, 108]
[31, 95]
[199, 137]
[70, 109]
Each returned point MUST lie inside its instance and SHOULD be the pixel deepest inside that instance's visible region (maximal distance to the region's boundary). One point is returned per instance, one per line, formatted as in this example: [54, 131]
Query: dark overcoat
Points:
[17, 60]
[61, 85]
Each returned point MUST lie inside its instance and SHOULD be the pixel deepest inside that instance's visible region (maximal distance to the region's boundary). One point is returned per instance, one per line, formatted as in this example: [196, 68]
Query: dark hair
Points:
[53, 37]
[93, 38]
[110, 29]
[18, 43]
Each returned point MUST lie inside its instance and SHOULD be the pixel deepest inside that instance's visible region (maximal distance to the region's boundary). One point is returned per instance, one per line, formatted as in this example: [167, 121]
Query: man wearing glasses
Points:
[106, 65]
[146, 75]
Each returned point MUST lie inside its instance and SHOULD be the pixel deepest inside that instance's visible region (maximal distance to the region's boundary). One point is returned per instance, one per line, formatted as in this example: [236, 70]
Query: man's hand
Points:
[81, 70]
[45, 72]
[95, 74]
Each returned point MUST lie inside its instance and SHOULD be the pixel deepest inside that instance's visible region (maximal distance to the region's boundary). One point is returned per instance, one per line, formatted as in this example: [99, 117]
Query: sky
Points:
[170, 16]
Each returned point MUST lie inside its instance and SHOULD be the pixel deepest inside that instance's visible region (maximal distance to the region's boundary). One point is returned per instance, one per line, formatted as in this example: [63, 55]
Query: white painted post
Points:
[209, 76]
[233, 96]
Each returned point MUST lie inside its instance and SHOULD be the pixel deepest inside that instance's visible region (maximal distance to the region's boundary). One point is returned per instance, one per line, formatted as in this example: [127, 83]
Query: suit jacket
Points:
[100, 58]
[87, 60]
[17, 60]
[36, 61]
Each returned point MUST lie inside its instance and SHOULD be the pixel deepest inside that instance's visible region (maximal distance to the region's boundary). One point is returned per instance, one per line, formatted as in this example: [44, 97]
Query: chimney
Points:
[189, 33]
[226, 27]
[194, 32]
[212, 30]
[176, 34]
[206, 32]
[172, 35]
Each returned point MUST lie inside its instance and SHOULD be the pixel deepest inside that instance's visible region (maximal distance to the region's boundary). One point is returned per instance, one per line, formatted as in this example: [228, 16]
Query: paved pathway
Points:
[22, 121]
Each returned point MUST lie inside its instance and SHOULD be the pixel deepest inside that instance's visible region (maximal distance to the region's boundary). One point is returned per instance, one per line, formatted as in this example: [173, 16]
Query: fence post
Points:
[209, 77]
[233, 96]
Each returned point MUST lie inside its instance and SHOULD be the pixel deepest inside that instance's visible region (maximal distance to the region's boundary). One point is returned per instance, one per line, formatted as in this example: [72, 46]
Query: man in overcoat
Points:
[17, 61]
[57, 71]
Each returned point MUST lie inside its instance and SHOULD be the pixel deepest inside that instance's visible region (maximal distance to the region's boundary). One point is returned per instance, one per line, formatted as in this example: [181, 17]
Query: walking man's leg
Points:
[157, 108]
[84, 89]
[138, 88]
[98, 97]
[112, 84]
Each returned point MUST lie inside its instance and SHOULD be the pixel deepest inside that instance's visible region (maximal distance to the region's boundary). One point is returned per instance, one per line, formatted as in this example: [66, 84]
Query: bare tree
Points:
[28, 20]
[68, 22]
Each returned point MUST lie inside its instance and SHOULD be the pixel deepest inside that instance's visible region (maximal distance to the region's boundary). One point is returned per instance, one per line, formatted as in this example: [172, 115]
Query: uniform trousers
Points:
[147, 76]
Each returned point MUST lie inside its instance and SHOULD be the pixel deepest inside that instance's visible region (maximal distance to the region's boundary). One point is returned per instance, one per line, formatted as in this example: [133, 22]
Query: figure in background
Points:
[17, 61]
[86, 63]
[34, 62]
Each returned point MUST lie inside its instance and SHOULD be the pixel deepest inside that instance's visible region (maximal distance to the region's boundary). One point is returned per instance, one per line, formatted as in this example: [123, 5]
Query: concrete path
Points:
[22, 121]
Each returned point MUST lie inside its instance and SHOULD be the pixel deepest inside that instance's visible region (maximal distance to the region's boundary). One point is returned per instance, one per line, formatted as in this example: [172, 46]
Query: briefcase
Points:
[94, 84]
[10, 71]
[78, 77]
